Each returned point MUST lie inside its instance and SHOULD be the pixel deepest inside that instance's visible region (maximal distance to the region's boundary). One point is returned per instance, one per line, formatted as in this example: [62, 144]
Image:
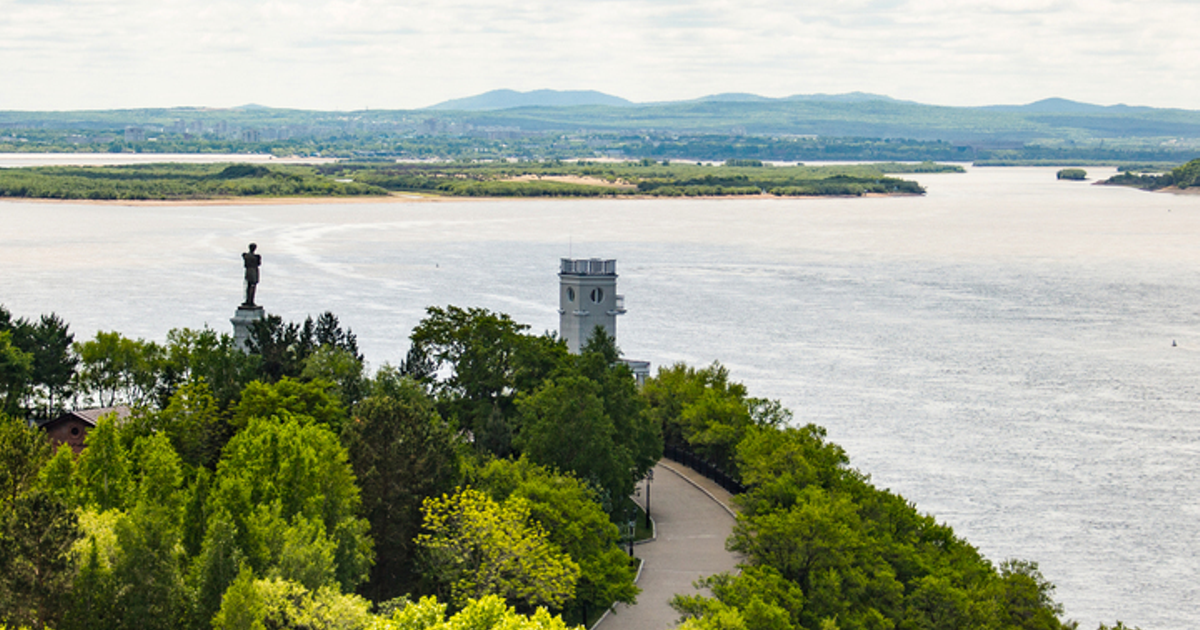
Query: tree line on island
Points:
[458, 179]
[476, 485]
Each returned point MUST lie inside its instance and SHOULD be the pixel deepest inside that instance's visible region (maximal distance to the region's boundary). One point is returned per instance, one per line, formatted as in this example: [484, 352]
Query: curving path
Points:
[692, 518]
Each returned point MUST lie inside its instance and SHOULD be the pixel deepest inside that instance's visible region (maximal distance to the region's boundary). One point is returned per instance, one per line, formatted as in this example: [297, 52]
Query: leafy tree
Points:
[43, 384]
[1027, 598]
[306, 401]
[287, 472]
[481, 614]
[589, 420]
[277, 603]
[565, 427]
[757, 597]
[569, 512]
[489, 359]
[148, 570]
[16, 372]
[23, 451]
[115, 369]
[214, 569]
[402, 452]
[331, 364]
[193, 423]
[703, 410]
[105, 477]
[283, 347]
[37, 533]
[476, 547]
[93, 599]
[205, 355]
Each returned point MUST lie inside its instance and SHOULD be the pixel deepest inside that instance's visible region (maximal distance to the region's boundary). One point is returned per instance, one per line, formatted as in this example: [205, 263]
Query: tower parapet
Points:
[587, 298]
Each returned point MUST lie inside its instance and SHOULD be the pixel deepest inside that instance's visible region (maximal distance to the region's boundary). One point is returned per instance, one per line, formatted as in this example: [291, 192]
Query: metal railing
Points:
[704, 467]
[589, 267]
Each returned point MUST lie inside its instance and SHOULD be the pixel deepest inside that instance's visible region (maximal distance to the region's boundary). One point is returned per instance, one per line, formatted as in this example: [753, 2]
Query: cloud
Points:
[347, 53]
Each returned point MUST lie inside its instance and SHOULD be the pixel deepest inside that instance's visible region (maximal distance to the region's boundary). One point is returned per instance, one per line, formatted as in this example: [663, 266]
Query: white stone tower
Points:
[587, 297]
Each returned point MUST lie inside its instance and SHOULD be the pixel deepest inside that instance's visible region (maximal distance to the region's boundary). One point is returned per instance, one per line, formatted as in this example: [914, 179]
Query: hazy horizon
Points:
[339, 55]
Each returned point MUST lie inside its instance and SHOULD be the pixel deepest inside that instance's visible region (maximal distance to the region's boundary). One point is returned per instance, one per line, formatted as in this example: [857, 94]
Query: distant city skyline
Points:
[380, 54]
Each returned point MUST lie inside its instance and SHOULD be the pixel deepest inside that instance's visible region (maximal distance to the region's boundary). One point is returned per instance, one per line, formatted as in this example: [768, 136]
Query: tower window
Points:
[597, 295]
[570, 294]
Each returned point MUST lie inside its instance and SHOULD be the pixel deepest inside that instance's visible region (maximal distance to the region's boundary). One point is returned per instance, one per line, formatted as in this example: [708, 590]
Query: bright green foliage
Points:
[283, 473]
[306, 401]
[161, 475]
[402, 452]
[57, 477]
[479, 547]
[243, 607]
[193, 422]
[487, 613]
[276, 604]
[104, 472]
[569, 513]
[114, 369]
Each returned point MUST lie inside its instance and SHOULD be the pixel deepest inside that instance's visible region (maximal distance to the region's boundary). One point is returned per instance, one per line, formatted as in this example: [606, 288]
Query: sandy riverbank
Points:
[411, 198]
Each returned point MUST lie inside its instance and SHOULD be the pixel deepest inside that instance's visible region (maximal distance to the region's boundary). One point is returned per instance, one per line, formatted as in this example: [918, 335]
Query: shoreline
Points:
[403, 198]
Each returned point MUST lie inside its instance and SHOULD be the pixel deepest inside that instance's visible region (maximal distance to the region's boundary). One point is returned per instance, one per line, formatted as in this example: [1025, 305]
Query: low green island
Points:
[1178, 178]
[186, 182]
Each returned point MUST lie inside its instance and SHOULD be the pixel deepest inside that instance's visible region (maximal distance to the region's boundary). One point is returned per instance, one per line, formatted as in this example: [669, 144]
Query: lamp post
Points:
[649, 478]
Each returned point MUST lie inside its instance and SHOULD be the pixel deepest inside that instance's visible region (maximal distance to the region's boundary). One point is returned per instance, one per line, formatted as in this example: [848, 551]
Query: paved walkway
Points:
[693, 519]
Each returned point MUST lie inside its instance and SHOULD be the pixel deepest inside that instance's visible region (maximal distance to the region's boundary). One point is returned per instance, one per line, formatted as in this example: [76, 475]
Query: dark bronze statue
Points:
[252, 262]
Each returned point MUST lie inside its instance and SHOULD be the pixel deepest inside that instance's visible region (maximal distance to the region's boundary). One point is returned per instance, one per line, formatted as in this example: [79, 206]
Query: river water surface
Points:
[1018, 356]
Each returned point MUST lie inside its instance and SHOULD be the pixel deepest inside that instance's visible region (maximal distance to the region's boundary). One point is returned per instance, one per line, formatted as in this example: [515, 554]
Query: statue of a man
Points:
[252, 262]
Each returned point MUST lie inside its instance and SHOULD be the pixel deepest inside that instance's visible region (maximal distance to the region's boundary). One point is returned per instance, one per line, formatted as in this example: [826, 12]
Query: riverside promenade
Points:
[693, 517]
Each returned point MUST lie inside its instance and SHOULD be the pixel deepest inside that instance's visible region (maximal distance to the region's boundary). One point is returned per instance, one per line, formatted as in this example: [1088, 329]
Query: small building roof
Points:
[89, 416]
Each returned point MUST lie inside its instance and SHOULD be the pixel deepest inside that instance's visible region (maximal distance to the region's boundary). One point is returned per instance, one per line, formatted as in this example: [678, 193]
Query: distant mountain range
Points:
[511, 99]
[511, 114]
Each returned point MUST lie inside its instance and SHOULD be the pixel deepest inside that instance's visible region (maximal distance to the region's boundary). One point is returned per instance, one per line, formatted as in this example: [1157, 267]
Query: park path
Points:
[692, 517]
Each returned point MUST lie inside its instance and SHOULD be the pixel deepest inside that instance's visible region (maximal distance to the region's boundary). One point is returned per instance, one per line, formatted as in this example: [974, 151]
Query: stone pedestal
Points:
[242, 320]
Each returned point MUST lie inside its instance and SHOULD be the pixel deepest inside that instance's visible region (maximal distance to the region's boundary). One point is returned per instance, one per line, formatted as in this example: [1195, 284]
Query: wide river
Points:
[1018, 356]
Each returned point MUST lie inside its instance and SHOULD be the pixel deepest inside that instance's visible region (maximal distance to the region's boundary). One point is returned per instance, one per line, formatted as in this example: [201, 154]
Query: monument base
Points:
[242, 321]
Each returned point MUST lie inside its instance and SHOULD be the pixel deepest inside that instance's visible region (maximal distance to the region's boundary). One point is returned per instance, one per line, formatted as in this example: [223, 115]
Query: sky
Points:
[404, 54]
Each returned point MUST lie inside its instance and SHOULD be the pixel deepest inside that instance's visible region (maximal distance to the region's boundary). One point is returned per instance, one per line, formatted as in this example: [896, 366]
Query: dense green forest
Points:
[475, 485]
[1181, 178]
[457, 179]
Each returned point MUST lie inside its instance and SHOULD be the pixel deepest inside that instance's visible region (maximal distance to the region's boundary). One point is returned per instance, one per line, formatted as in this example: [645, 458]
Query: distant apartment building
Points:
[135, 134]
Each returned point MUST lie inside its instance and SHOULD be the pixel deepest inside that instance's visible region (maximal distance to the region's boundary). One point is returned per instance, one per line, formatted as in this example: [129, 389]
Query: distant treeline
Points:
[647, 177]
[173, 181]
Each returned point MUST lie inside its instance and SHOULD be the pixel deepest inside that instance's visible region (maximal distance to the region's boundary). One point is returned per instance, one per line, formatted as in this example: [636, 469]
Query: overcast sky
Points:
[400, 54]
